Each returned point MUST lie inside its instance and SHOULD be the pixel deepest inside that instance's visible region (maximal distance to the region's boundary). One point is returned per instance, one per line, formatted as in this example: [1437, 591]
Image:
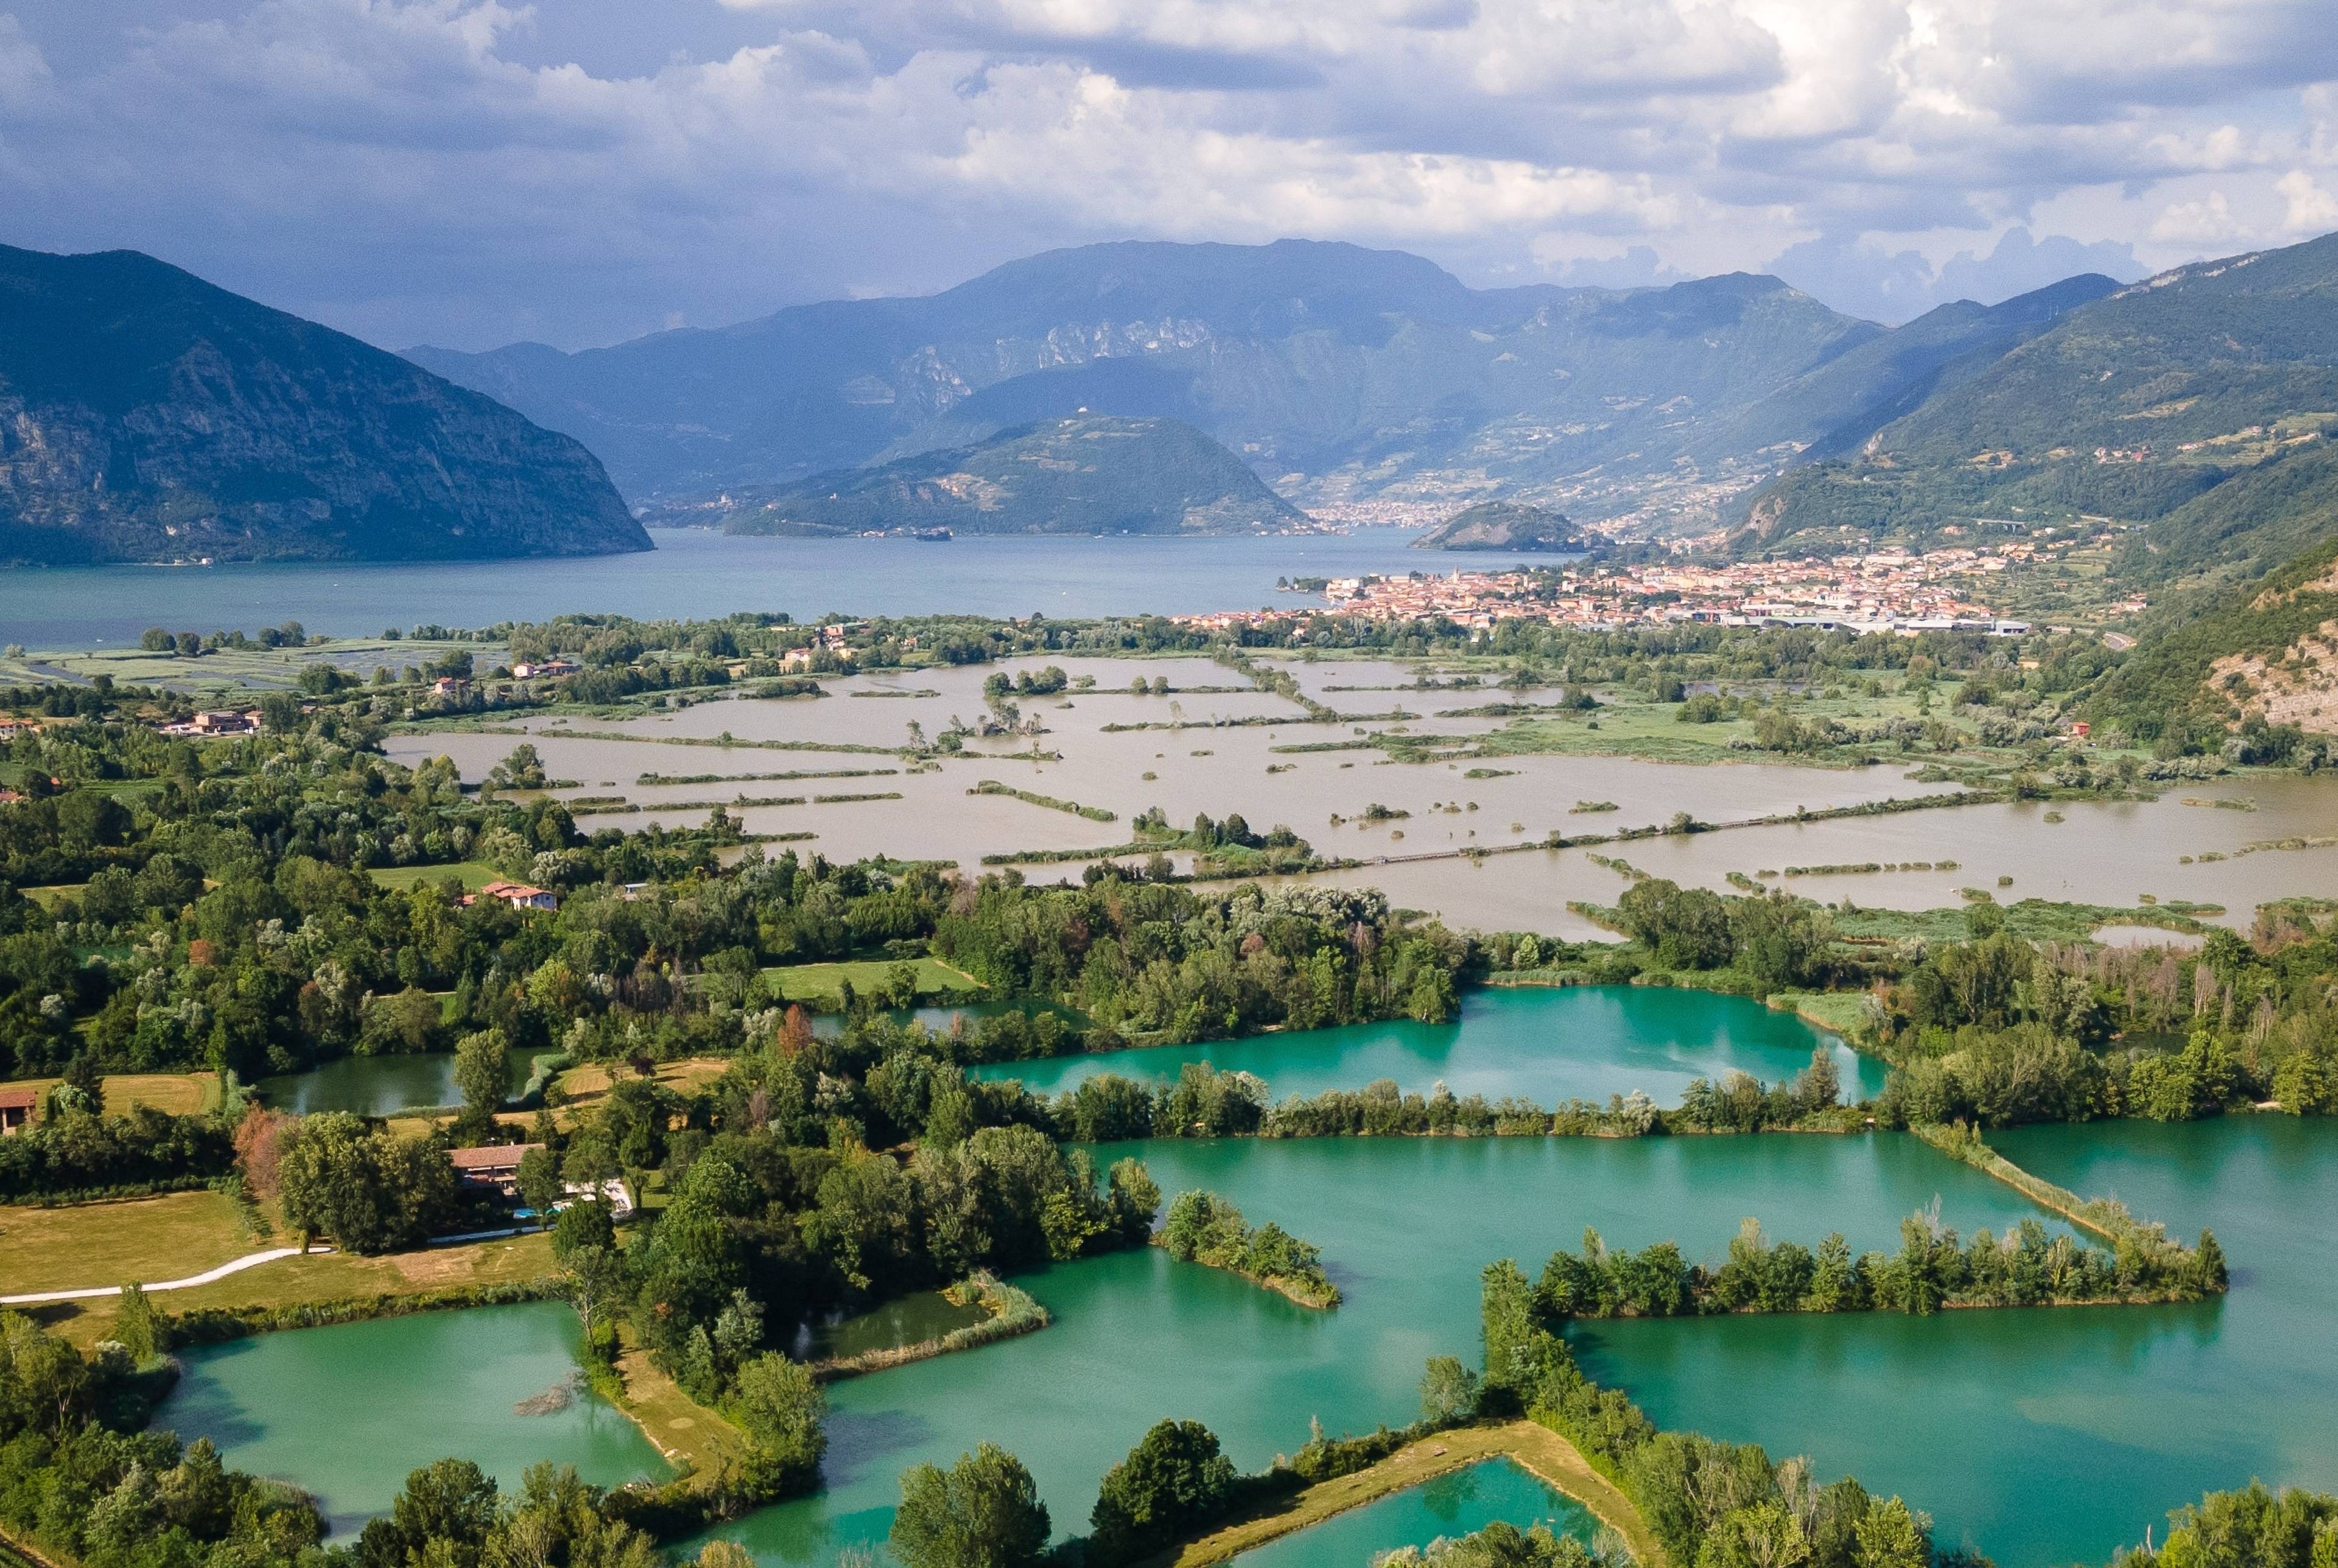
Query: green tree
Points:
[780, 1408]
[1893, 1535]
[442, 1517]
[539, 1180]
[481, 1074]
[1517, 1347]
[1172, 1480]
[135, 1327]
[1448, 1390]
[983, 1512]
[1684, 927]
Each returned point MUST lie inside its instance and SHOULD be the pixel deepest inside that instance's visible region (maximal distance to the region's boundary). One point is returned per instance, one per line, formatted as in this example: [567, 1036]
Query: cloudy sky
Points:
[470, 173]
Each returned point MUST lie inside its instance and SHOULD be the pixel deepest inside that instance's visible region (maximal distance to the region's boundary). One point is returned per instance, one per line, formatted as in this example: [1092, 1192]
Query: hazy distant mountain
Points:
[1089, 475]
[1501, 525]
[1333, 371]
[2199, 401]
[145, 415]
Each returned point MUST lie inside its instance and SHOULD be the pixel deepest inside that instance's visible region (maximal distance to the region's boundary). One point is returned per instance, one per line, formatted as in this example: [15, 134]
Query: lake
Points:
[2056, 1436]
[1585, 1042]
[2042, 1437]
[1451, 1506]
[698, 574]
[346, 1412]
[381, 1085]
[1405, 1226]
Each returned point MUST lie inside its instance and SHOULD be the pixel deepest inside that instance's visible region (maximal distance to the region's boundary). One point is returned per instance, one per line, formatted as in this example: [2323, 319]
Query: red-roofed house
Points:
[518, 895]
[18, 1104]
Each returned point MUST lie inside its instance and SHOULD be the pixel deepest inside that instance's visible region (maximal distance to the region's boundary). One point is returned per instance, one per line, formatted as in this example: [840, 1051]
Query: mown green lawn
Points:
[817, 982]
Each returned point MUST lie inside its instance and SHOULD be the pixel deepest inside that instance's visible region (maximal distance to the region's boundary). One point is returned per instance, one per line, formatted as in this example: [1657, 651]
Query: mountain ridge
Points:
[1339, 373]
[1090, 474]
[148, 415]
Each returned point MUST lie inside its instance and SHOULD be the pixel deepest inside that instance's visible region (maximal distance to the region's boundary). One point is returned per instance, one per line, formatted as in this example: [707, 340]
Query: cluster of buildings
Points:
[217, 721]
[1887, 590]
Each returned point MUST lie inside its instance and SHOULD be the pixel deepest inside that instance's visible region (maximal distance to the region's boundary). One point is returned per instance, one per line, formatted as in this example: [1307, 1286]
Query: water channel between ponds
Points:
[1549, 1045]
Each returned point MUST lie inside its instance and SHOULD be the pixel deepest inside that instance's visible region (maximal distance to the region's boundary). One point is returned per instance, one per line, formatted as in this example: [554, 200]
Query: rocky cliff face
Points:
[147, 416]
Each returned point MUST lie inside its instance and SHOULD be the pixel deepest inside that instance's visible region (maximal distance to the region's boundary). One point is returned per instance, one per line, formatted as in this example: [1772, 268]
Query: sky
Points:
[472, 172]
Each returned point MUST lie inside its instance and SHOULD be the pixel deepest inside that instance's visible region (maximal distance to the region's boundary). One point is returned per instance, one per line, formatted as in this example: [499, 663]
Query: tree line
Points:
[2027, 1267]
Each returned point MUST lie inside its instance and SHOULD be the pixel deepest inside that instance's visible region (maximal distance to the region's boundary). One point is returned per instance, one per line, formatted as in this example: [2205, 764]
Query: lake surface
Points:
[1550, 1045]
[1450, 1505]
[381, 1085]
[346, 1412]
[1405, 1226]
[698, 574]
[2051, 1437]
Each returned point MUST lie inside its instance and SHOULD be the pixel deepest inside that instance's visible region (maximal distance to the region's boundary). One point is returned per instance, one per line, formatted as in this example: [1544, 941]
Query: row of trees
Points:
[2027, 1267]
[1208, 1102]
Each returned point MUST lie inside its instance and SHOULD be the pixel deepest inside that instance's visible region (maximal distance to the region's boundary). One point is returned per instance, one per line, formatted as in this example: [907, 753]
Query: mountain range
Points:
[1338, 373]
[146, 414]
[2183, 402]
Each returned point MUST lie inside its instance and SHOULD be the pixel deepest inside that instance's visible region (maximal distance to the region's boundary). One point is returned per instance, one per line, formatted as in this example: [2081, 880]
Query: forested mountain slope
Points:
[1091, 474]
[2132, 409]
[146, 414]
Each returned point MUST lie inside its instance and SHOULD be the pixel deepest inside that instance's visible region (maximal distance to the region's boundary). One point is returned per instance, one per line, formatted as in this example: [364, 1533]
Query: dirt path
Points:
[1538, 1448]
[208, 1276]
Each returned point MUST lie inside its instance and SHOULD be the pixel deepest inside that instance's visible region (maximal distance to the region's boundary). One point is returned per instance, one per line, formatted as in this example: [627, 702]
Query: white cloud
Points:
[2311, 210]
[2208, 221]
[432, 169]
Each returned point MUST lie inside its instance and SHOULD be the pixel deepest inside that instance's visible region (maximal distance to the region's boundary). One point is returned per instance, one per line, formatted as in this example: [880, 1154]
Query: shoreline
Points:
[1533, 1447]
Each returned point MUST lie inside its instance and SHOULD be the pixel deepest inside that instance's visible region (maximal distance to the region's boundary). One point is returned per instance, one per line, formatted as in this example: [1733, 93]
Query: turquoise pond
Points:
[1585, 1041]
[346, 1412]
[1450, 1505]
[2041, 1437]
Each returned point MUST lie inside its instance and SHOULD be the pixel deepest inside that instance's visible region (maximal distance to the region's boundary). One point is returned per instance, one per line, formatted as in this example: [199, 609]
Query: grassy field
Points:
[1536, 1447]
[142, 1239]
[326, 1276]
[51, 897]
[819, 982]
[473, 875]
[687, 1433]
[581, 1086]
[1840, 1011]
[179, 1094]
